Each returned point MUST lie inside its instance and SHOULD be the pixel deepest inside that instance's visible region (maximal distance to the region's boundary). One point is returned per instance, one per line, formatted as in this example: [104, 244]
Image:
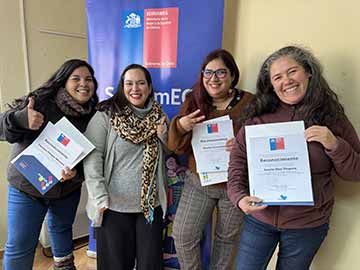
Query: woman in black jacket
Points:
[70, 92]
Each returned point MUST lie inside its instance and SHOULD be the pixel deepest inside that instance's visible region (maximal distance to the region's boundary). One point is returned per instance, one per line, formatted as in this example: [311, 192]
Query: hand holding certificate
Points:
[57, 147]
[278, 163]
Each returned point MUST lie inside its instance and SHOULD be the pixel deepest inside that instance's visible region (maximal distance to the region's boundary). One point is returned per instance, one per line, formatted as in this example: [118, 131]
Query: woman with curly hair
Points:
[291, 87]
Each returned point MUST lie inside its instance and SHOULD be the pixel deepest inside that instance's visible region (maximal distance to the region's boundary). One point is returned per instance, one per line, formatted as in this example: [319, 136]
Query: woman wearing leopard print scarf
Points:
[125, 175]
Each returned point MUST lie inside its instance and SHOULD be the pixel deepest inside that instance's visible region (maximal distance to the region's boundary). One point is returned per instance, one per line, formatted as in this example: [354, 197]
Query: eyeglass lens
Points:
[220, 73]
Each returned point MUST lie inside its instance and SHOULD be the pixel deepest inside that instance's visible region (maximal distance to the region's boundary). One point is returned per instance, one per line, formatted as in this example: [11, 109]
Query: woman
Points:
[291, 87]
[125, 175]
[69, 92]
[213, 95]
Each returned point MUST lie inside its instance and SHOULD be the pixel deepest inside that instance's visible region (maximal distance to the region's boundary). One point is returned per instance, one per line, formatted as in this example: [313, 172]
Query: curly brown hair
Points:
[320, 104]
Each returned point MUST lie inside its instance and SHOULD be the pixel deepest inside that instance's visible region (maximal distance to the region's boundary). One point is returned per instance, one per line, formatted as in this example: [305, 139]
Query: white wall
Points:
[256, 28]
[12, 82]
[46, 52]
[253, 29]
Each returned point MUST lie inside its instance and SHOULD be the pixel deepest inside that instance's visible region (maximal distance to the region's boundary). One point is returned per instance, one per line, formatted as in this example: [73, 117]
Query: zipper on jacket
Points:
[276, 221]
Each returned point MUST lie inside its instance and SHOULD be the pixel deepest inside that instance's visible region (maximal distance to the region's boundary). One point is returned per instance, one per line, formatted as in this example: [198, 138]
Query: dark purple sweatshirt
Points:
[344, 161]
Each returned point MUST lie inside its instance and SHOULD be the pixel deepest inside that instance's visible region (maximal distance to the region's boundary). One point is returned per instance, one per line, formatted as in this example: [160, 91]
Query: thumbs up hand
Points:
[35, 119]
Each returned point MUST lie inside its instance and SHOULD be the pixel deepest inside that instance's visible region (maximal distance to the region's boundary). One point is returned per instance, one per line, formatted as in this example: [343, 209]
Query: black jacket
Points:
[14, 129]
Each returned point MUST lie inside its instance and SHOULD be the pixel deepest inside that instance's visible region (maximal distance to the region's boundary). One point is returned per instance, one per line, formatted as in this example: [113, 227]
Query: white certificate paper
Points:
[53, 150]
[278, 163]
[211, 178]
[75, 134]
[208, 142]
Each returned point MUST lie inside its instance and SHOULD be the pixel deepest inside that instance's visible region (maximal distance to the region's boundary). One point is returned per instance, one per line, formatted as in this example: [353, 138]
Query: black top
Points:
[14, 129]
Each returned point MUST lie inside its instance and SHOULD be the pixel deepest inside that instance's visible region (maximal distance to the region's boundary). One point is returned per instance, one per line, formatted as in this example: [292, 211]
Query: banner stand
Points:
[170, 38]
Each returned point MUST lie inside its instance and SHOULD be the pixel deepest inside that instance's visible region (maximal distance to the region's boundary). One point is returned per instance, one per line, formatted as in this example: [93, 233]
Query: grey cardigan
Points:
[99, 168]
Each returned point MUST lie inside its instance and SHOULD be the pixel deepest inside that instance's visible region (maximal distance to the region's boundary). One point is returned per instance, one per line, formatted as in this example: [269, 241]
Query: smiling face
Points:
[289, 79]
[217, 87]
[80, 85]
[136, 87]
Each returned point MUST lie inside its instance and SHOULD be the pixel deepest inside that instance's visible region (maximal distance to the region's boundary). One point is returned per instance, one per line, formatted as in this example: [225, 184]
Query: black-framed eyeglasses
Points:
[220, 73]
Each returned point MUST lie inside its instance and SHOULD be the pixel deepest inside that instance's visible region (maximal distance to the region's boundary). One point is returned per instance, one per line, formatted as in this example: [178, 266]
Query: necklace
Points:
[223, 104]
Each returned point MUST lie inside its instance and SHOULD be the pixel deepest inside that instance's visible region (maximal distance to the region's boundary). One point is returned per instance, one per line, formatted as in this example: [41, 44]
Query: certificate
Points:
[75, 134]
[53, 150]
[208, 142]
[278, 163]
[211, 178]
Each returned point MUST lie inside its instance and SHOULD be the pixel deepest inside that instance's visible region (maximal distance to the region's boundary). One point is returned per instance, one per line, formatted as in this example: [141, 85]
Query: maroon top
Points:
[344, 161]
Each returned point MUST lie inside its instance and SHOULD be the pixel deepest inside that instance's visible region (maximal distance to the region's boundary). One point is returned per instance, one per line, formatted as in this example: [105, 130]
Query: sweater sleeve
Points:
[179, 140]
[94, 166]
[13, 125]
[346, 156]
[238, 185]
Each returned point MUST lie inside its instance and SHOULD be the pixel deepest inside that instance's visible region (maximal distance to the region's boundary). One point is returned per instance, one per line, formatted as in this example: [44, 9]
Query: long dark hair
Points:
[199, 97]
[320, 104]
[55, 82]
[118, 101]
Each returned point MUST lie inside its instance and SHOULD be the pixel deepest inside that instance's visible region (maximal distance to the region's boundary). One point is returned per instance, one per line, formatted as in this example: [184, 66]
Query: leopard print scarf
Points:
[143, 130]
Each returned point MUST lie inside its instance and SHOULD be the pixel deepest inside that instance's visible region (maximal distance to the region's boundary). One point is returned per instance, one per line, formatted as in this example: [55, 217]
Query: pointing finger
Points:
[194, 114]
[199, 119]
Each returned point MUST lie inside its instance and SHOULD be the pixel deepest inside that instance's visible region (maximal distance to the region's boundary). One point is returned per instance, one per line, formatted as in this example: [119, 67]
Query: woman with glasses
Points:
[213, 95]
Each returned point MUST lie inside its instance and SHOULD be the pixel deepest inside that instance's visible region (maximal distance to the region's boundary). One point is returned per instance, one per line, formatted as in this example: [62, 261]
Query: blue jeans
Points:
[25, 217]
[297, 247]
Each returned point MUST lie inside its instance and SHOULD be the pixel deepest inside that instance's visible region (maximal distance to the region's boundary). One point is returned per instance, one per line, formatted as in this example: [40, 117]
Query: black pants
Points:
[124, 237]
